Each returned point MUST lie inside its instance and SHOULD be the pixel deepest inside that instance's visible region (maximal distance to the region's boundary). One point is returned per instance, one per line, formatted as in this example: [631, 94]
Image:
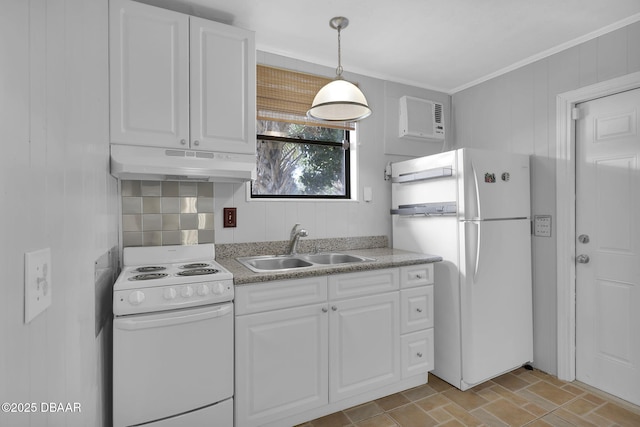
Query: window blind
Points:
[286, 96]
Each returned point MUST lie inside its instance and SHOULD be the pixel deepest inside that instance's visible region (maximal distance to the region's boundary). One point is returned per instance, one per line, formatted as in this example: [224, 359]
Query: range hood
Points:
[168, 164]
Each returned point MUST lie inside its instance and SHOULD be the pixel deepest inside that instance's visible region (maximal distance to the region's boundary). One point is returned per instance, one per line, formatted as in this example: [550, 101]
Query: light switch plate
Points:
[37, 283]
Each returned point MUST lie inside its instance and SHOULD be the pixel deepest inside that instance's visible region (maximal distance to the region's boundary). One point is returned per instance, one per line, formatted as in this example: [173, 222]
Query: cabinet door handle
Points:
[325, 309]
[196, 142]
[419, 354]
[419, 310]
[183, 141]
[334, 308]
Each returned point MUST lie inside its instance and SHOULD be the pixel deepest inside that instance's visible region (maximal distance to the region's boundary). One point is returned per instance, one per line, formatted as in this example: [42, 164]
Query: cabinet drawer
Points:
[416, 275]
[417, 309]
[417, 353]
[280, 294]
[363, 283]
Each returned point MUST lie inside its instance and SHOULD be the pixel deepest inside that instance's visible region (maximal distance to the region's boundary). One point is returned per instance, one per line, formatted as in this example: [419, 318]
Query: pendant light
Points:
[339, 100]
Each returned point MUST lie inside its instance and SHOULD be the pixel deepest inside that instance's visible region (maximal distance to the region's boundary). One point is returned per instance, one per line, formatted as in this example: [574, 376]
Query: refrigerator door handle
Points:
[475, 193]
[478, 251]
[477, 234]
[474, 236]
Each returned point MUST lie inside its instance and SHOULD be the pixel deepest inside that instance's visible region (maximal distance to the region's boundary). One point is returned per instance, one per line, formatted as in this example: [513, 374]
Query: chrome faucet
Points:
[294, 237]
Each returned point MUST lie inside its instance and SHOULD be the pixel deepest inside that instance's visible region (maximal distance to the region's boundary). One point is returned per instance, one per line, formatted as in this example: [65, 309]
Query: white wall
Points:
[516, 112]
[56, 192]
[272, 220]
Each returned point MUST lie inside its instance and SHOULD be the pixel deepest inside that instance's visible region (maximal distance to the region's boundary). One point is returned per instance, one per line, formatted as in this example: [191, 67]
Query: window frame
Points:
[284, 95]
[346, 145]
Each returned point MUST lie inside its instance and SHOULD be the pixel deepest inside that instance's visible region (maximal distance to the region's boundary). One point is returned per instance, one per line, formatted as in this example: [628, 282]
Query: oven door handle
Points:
[169, 319]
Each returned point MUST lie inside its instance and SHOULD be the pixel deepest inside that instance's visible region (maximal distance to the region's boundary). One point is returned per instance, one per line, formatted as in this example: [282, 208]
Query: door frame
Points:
[566, 213]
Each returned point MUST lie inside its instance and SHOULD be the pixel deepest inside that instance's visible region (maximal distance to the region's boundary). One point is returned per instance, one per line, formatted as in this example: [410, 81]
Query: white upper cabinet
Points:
[223, 87]
[180, 81]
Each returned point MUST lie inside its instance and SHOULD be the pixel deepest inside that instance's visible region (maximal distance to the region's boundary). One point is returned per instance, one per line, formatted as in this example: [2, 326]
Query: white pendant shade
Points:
[340, 101]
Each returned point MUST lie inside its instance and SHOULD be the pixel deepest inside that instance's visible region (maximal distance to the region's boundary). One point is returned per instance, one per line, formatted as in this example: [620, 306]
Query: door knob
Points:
[582, 259]
[583, 238]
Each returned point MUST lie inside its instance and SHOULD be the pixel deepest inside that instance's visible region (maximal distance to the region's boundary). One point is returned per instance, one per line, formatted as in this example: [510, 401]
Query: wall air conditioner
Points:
[421, 119]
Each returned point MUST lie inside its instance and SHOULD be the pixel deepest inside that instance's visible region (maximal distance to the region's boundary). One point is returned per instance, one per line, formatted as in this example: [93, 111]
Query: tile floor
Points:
[519, 398]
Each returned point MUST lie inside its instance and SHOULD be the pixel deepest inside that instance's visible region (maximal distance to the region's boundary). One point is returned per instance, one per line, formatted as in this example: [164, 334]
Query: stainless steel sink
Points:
[261, 264]
[276, 263]
[334, 258]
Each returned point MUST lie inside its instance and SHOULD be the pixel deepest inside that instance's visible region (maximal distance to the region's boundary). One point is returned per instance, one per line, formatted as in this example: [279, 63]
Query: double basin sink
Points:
[271, 263]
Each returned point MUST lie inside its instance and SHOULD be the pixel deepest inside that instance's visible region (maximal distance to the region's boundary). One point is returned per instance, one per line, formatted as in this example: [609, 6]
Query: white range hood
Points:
[168, 164]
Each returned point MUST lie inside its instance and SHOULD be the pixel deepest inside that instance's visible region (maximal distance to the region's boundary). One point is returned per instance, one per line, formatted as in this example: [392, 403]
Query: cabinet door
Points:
[149, 70]
[281, 363]
[223, 88]
[364, 352]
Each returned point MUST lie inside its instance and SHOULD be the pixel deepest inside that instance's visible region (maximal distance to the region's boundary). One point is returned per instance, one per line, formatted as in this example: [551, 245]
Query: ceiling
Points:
[445, 45]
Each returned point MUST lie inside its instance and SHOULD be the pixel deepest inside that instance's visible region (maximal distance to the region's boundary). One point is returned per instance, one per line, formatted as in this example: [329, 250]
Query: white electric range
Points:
[173, 338]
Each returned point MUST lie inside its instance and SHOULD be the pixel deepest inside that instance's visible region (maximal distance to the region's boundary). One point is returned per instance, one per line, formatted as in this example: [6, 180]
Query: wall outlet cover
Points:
[229, 217]
[37, 283]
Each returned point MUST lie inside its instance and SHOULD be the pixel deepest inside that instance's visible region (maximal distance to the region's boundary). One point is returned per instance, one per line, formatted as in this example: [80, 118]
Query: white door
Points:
[608, 232]
[365, 344]
[149, 71]
[223, 88]
[281, 365]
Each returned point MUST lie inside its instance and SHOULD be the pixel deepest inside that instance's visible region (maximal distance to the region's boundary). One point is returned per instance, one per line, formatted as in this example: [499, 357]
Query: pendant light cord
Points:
[339, 69]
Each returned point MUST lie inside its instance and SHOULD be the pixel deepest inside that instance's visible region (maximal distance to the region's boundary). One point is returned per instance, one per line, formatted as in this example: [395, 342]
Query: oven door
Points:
[169, 363]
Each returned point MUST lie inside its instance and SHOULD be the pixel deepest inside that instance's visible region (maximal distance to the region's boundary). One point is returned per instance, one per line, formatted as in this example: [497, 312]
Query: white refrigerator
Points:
[472, 207]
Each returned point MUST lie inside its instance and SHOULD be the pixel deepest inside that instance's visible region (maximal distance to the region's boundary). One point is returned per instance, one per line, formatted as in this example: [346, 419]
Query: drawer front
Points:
[280, 294]
[416, 275]
[417, 353]
[363, 283]
[417, 309]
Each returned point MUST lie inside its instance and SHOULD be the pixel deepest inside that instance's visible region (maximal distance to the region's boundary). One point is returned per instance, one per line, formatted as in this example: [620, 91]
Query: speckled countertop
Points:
[384, 257]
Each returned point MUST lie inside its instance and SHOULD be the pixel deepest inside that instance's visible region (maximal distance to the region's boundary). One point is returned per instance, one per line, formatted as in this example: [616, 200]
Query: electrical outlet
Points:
[229, 217]
[37, 283]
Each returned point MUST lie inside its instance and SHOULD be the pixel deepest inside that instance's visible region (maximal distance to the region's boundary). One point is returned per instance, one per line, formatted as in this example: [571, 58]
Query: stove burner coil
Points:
[195, 265]
[198, 272]
[149, 269]
[148, 276]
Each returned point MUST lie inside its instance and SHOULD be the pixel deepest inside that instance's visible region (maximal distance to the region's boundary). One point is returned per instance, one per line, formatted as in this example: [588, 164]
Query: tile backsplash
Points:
[156, 213]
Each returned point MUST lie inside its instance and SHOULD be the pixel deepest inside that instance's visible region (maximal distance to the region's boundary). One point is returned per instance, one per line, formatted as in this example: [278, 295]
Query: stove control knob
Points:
[169, 294]
[203, 290]
[218, 288]
[187, 291]
[136, 297]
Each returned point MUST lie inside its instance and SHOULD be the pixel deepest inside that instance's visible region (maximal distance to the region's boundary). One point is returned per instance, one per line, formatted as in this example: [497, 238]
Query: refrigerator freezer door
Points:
[493, 185]
[496, 298]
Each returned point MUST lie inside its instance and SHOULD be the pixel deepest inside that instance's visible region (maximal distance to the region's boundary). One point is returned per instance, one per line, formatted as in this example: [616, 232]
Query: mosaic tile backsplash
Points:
[157, 213]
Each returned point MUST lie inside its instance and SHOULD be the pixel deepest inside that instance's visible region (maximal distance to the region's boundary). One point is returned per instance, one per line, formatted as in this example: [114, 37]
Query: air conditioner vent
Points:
[438, 113]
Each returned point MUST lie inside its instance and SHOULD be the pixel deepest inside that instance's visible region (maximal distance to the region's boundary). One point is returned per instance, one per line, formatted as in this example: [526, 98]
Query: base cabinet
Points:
[344, 345]
[281, 367]
[365, 336]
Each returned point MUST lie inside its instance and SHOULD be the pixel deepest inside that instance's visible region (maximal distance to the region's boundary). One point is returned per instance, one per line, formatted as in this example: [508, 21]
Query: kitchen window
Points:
[298, 157]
